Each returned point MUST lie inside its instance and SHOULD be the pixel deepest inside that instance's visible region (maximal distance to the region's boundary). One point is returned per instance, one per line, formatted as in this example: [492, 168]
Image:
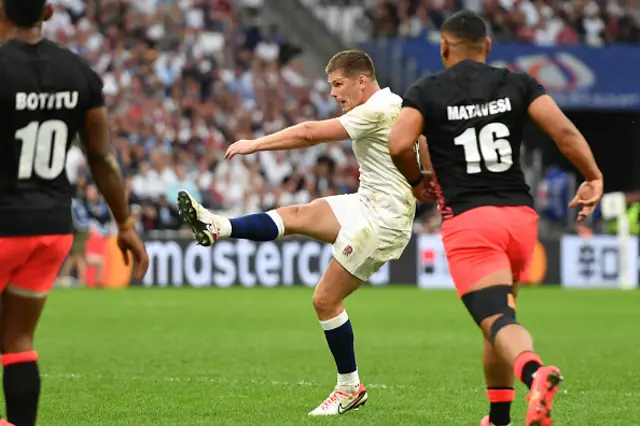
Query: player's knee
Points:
[490, 309]
[501, 322]
[320, 303]
[324, 306]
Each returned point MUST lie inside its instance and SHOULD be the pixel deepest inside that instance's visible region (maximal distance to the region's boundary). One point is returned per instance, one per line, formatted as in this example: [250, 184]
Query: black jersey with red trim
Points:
[45, 92]
[474, 116]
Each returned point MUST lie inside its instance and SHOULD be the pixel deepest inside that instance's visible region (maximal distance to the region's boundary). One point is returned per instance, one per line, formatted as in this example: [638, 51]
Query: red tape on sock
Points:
[522, 360]
[501, 395]
[16, 358]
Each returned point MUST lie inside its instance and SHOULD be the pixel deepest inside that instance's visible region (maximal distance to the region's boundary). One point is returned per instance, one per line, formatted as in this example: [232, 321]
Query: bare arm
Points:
[402, 139]
[103, 164]
[303, 135]
[299, 136]
[547, 115]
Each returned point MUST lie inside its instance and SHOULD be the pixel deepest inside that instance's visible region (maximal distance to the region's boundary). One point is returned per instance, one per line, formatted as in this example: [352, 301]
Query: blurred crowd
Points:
[183, 80]
[542, 22]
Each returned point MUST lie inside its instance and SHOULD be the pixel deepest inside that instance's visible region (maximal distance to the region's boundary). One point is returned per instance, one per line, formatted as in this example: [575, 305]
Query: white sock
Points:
[224, 226]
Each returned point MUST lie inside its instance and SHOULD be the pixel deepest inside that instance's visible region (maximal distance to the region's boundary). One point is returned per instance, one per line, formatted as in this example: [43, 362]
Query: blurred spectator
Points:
[78, 259]
[97, 211]
[182, 181]
[542, 22]
[166, 214]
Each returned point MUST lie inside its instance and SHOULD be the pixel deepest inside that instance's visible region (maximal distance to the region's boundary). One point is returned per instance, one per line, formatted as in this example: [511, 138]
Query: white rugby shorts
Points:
[364, 243]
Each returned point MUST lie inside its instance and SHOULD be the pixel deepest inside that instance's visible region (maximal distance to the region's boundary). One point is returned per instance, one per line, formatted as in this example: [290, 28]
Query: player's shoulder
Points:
[519, 78]
[382, 103]
[383, 100]
[62, 56]
[430, 81]
[524, 85]
[427, 88]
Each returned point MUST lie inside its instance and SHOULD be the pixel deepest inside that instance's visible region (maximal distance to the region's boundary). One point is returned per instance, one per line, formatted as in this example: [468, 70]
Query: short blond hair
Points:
[351, 63]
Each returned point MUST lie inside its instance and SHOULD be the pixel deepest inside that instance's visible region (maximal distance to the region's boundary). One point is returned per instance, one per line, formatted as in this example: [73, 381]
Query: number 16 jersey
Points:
[474, 116]
[45, 93]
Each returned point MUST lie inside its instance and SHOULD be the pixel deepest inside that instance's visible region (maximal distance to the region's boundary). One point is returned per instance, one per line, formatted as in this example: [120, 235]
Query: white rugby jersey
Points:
[369, 126]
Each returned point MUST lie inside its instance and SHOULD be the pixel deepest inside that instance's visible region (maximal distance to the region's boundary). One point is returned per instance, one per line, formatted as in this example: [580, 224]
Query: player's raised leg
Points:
[315, 220]
[328, 300]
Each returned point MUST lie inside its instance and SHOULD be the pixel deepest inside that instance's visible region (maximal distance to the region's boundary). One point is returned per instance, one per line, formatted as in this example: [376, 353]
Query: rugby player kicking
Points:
[367, 228]
[48, 94]
[473, 116]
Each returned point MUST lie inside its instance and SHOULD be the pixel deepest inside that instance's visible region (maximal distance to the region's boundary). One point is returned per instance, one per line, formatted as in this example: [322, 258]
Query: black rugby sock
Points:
[21, 382]
[500, 405]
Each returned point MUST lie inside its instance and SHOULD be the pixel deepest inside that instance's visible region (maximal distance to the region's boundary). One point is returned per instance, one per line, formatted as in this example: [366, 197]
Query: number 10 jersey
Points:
[45, 93]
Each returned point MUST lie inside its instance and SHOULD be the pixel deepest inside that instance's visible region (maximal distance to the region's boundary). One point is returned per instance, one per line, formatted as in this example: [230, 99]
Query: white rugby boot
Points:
[204, 225]
[339, 402]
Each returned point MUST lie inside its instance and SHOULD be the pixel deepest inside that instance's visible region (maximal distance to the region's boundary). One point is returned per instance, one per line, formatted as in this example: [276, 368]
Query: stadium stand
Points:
[540, 22]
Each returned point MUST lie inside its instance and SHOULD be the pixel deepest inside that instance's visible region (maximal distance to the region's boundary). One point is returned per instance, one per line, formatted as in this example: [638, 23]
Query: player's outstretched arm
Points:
[546, 114]
[106, 172]
[299, 136]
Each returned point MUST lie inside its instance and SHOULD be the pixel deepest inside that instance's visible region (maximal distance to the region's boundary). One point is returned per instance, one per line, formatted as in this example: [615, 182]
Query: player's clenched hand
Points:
[128, 240]
[588, 196]
[425, 191]
[241, 147]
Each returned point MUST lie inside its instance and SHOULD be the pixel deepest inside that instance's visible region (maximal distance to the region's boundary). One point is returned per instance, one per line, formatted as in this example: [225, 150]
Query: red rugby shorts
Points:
[29, 265]
[488, 239]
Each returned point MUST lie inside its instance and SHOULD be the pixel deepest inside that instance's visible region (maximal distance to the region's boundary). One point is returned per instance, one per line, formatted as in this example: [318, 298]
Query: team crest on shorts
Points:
[347, 250]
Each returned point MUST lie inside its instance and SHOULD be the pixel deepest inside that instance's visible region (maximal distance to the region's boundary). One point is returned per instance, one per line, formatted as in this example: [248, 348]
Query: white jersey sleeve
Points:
[360, 121]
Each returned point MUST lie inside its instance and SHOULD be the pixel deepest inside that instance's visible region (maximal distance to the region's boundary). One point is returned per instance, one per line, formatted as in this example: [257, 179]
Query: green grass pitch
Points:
[258, 357]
